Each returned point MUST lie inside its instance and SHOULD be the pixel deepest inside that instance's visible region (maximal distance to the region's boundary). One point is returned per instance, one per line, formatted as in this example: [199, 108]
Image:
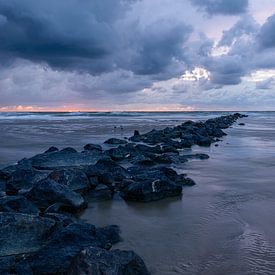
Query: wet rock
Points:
[106, 171]
[146, 191]
[102, 192]
[23, 233]
[48, 192]
[67, 157]
[92, 147]
[51, 150]
[7, 265]
[3, 182]
[161, 159]
[74, 178]
[136, 133]
[17, 204]
[97, 261]
[197, 156]
[119, 153]
[23, 179]
[115, 141]
[62, 220]
[56, 256]
[148, 149]
[204, 141]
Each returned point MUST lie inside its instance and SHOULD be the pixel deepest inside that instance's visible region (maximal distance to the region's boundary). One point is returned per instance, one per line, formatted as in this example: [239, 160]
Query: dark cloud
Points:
[245, 26]
[226, 70]
[225, 7]
[267, 34]
[92, 36]
[265, 84]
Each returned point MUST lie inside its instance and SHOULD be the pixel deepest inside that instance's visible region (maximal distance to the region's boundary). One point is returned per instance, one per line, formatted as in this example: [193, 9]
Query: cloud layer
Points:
[111, 54]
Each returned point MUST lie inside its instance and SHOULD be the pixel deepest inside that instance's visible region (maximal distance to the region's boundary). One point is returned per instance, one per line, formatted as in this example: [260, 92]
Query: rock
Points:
[47, 192]
[92, 147]
[115, 141]
[17, 204]
[67, 157]
[242, 124]
[97, 261]
[62, 220]
[204, 141]
[56, 256]
[7, 265]
[196, 156]
[3, 182]
[161, 159]
[147, 190]
[23, 179]
[23, 233]
[102, 192]
[106, 171]
[136, 133]
[74, 178]
[51, 150]
[118, 153]
[148, 149]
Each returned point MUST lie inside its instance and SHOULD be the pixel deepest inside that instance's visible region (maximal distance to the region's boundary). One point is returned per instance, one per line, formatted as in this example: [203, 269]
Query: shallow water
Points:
[223, 225]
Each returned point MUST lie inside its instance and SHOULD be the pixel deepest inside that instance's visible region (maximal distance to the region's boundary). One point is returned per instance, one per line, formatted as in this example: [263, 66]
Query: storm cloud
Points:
[225, 7]
[111, 53]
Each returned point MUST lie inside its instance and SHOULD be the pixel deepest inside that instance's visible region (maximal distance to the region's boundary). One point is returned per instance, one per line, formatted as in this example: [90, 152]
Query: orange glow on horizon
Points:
[75, 109]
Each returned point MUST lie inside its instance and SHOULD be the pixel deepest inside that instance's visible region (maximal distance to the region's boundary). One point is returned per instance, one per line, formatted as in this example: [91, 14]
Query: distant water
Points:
[28, 133]
[223, 225]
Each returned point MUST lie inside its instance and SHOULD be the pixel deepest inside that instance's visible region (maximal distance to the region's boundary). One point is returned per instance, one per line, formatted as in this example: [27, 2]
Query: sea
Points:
[225, 224]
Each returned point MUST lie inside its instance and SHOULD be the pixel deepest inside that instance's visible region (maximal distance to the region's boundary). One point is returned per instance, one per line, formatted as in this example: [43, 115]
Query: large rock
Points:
[92, 147]
[23, 233]
[17, 204]
[3, 182]
[23, 179]
[97, 261]
[48, 192]
[67, 157]
[146, 191]
[56, 256]
[74, 178]
[105, 171]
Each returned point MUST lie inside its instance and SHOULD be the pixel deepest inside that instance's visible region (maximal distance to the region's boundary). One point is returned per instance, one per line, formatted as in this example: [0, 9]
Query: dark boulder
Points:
[3, 182]
[92, 147]
[148, 149]
[196, 156]
[51, 150]
[23, 233]
[23, 179]
[203, 141]
[7, 265]
[17, 204]
[136, 133]
[102, 192]
[67, 157]
[47, 192]
[74, 178]
[106, 171]
[56, 256]
[97, 261]
[146, 191]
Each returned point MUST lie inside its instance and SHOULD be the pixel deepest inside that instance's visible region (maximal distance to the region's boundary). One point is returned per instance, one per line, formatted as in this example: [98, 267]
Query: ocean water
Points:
[223, 225]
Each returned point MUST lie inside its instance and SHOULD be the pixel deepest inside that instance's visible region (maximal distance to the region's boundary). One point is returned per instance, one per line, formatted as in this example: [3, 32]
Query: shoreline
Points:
[107, 175]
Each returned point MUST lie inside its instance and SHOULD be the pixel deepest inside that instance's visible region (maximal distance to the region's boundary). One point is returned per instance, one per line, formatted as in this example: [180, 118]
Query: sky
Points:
[137, 55]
